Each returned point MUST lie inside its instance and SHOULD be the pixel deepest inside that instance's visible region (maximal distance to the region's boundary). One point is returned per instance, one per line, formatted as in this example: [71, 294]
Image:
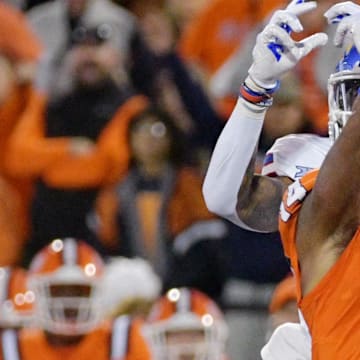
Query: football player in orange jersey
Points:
[186, 324]
[68, 316]
[318, 222]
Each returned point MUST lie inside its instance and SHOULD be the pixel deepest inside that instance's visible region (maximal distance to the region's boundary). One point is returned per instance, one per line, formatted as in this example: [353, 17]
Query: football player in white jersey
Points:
[231, 189]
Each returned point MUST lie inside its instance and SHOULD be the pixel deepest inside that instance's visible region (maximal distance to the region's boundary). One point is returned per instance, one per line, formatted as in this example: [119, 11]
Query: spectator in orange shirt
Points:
[157, 211]
[70, 141]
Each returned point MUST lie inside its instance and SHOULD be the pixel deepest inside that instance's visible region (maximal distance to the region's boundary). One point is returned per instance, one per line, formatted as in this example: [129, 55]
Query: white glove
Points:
[275, 51]
[347, 15]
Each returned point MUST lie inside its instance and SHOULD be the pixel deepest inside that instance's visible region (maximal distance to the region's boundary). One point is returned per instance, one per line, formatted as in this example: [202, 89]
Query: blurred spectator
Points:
[172, 86]
[70, 140]
[55, 22]
[157, 212]
[65, 277]
[176, 90]
[137, 287]
[186, 324]
[20, 51]
[220, 28]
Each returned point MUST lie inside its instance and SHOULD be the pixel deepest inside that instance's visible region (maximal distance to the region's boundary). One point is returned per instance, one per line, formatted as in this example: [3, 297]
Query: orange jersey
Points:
[122, 341]
[331, 309]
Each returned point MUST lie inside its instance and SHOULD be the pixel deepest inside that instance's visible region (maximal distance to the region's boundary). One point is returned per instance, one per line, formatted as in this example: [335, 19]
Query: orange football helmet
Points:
[186, 324]
[65, 278]
[16, 300]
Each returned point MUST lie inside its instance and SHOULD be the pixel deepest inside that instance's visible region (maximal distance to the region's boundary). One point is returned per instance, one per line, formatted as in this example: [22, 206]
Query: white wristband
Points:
[230, 159]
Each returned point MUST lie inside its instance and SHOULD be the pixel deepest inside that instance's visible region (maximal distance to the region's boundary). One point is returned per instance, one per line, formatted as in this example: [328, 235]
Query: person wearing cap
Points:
[70, 141]
[55, 21]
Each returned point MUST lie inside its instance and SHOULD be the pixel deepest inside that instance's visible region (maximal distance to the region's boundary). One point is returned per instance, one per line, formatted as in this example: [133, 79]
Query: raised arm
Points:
[331, 211]
[231, 189]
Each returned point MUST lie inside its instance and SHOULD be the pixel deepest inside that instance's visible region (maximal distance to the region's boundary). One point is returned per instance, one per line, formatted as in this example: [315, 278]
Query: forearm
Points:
[231, 159]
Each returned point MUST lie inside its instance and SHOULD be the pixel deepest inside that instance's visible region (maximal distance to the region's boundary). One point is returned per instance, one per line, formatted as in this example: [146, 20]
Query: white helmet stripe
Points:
[70, 252]
[120, 337]
[10, 346]
[184, 302]
[4, 284]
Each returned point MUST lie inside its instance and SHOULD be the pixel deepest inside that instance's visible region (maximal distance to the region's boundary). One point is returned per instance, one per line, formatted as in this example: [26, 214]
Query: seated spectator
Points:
[65, 277]
[158, 213]
[69, 141]
[186, 324]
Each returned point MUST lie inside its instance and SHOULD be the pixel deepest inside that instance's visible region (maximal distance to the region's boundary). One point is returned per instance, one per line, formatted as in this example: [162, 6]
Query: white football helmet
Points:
[186, 324]
[343, 88]
[65, 278]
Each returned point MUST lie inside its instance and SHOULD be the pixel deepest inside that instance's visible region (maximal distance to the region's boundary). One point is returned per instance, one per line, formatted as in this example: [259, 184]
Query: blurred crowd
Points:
[109, 111]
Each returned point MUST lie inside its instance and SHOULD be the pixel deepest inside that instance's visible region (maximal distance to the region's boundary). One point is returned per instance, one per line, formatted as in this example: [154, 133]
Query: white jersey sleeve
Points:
[294, 155]
[230, 159]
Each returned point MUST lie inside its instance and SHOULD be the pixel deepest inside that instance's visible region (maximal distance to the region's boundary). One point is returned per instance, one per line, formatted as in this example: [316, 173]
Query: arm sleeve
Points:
[230, 159]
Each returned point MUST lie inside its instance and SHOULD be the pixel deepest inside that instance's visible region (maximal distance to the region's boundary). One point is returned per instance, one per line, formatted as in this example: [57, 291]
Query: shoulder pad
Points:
[296, 154]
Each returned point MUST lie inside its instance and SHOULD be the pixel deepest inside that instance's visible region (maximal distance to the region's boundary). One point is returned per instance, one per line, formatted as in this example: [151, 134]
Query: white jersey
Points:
[296, 154]
[288, 341]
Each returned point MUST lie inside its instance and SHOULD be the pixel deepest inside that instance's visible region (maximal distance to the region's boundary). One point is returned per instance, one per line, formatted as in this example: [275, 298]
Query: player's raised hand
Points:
[275, 52]
[347, 15]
